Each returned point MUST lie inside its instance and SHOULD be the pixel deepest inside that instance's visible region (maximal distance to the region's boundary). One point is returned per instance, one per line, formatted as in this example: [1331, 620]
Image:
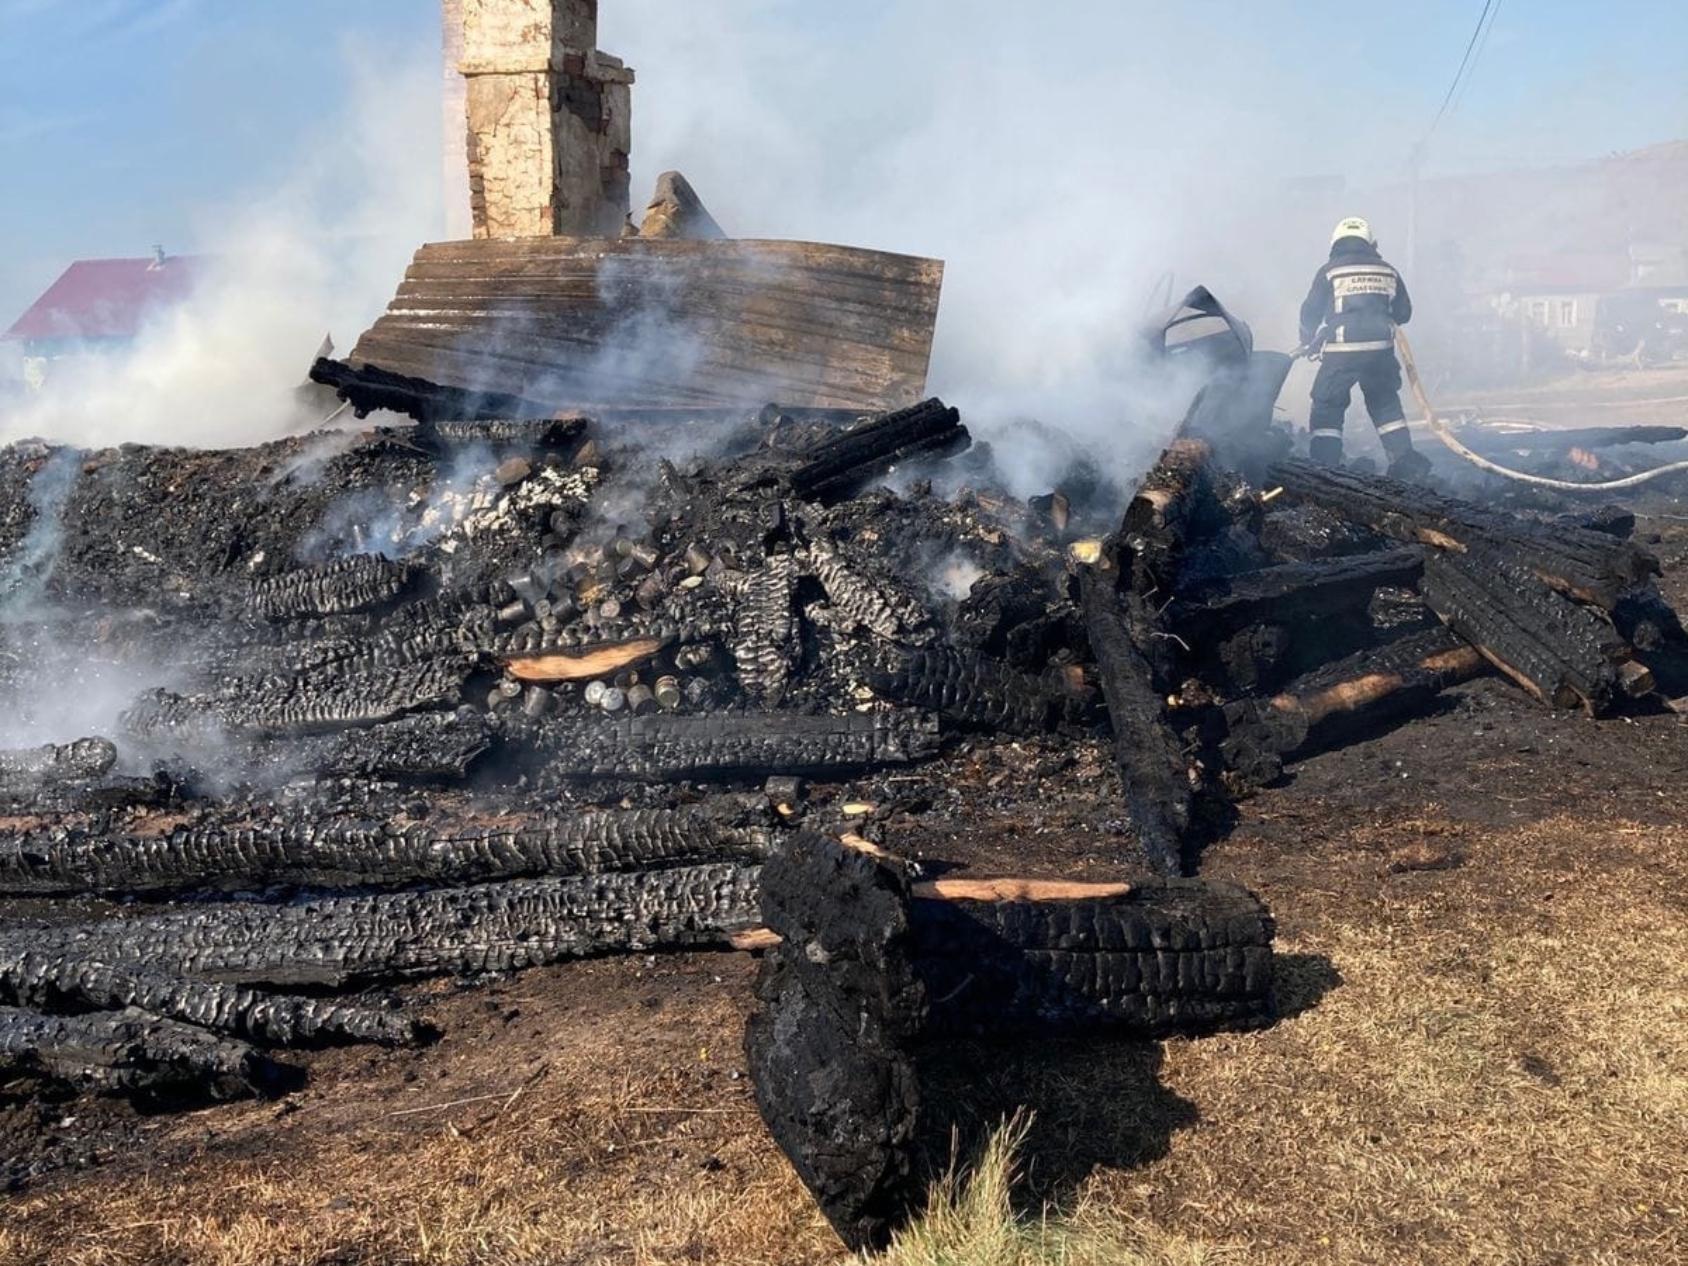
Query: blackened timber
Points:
[847, 463]
[1164, 956]
[1292, 591]
[52, 980]
[482, 928]
[974, 691]
[355, 851]
[1562, 653]
[1159, 787]
[369, 387]
[1344, 701]
[360, 582]
[527, 433]
[1174, 504]
[1587, 565]
[658, 748]
[127, 1052]
[1559, 441]
[839, 1001]
[54, 764]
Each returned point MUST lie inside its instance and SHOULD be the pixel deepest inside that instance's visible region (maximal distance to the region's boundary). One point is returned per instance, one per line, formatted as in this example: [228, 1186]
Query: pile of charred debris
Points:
[467, 697]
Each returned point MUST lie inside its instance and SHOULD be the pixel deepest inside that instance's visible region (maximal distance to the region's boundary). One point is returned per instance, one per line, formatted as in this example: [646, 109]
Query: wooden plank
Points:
[631, 323]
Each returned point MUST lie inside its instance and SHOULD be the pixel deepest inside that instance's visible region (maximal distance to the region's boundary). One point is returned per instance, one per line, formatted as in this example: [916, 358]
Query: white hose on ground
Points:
[1440, 429]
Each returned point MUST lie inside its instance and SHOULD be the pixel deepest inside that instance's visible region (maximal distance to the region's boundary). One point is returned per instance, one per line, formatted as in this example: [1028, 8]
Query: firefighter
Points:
[1348, 323]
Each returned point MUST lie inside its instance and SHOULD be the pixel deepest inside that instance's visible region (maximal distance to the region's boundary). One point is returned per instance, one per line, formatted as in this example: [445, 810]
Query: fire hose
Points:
[1440, 430]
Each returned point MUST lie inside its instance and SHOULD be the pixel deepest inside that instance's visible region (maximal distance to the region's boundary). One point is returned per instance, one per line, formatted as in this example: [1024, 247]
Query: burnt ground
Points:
[1483, 920]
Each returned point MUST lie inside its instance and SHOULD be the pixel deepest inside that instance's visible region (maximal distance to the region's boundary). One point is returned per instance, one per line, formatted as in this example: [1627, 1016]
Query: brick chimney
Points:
[548, 119]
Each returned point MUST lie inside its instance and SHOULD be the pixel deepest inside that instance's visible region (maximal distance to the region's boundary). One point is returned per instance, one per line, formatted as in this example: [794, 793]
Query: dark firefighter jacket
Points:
[1356, 301]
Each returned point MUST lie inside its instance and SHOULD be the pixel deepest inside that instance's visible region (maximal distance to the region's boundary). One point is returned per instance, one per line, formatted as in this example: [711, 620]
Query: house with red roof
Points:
[101, 305]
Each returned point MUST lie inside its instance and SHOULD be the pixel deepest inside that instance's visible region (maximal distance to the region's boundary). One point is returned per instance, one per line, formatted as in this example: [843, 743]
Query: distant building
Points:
[1599, 303]
[100, 305]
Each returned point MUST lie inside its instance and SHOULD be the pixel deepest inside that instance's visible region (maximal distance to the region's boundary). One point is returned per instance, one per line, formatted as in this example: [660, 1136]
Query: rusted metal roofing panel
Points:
[577, 322]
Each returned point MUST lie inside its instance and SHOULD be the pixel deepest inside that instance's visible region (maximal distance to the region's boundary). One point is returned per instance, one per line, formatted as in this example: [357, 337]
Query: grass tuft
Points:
[970, 1220]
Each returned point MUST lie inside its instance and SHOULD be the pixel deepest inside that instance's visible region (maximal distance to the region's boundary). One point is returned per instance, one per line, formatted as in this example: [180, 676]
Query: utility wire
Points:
[1478, 57]
[1470, 48]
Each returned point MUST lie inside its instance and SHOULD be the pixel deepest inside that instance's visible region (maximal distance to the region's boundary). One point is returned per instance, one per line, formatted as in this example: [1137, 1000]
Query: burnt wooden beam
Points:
[712, 746]
[369, 387]
[265, 847]
[1590, 566]
[1563, 654]
[868, 965]
[1488, 441]
[1160, 782]
[338, 940]
[72, 980]
[1293, 591]
[1344, 701]
[853, 459]
[1175, 503]
[128, 1052]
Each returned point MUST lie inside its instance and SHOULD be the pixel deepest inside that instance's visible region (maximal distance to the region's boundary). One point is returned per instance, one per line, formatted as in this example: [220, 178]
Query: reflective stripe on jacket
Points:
[1356, 301]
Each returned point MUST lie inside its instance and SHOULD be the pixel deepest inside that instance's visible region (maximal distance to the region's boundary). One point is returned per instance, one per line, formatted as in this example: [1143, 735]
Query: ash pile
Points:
[474, 696]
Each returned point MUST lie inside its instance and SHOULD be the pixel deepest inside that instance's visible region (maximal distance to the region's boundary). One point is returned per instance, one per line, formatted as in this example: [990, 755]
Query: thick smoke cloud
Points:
[1072, 163]
[318, 253]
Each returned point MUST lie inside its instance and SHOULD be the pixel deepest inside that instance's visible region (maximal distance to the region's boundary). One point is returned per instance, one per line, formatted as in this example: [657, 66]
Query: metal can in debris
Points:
[536, 703]
[613, 700]
[594, 693]
[509, 687]
[512, 613]
[667, 692]
[640, 700]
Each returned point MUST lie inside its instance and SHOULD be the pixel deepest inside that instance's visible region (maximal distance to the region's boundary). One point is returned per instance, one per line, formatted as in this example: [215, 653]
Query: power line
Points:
[1470, 47]
[1478, 58]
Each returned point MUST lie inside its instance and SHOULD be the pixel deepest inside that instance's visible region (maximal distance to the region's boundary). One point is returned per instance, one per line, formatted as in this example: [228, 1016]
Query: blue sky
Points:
[122, 121]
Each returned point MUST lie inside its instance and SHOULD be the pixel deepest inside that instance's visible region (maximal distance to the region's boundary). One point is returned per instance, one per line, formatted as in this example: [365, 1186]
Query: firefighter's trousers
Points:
[1378, 375]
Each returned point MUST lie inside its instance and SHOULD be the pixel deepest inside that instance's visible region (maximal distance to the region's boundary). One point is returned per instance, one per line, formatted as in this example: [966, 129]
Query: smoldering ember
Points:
[635, 599]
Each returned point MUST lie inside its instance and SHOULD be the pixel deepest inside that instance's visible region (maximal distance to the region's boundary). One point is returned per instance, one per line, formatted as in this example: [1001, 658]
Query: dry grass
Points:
[1500, 1077]
[970, 1220]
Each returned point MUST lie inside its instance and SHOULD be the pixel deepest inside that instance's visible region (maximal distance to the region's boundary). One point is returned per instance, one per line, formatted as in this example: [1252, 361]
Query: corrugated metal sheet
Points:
[577, 322]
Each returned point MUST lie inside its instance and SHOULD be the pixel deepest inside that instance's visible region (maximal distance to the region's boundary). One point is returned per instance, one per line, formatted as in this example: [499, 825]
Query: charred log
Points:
[1175, 505]
[56, 764]
[1161, 957]
[659, 748]
[838, 1003]
[1159, 781]
[844, 465]
[974, 692]
[1338, 588]
[1564, 654]
[304, 704]
[1587, 565]
[71, 980]
[368, 388]
[877, 606]
[359, 583]
[527, 433]
[354, 851]
[1343, 701]
[1560, 441]
[765, 641]
[128, 1052]
[484, 928]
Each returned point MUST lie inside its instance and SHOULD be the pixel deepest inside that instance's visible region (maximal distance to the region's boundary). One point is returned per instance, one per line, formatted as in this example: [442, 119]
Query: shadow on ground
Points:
[1095, 1102]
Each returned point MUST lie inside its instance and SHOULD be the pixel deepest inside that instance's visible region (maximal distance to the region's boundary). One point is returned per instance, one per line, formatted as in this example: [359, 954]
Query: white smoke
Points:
[1062, 161]
[320, 252]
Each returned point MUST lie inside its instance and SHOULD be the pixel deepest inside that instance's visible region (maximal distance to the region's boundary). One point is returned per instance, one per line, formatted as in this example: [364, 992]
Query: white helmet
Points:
[1353, 226]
